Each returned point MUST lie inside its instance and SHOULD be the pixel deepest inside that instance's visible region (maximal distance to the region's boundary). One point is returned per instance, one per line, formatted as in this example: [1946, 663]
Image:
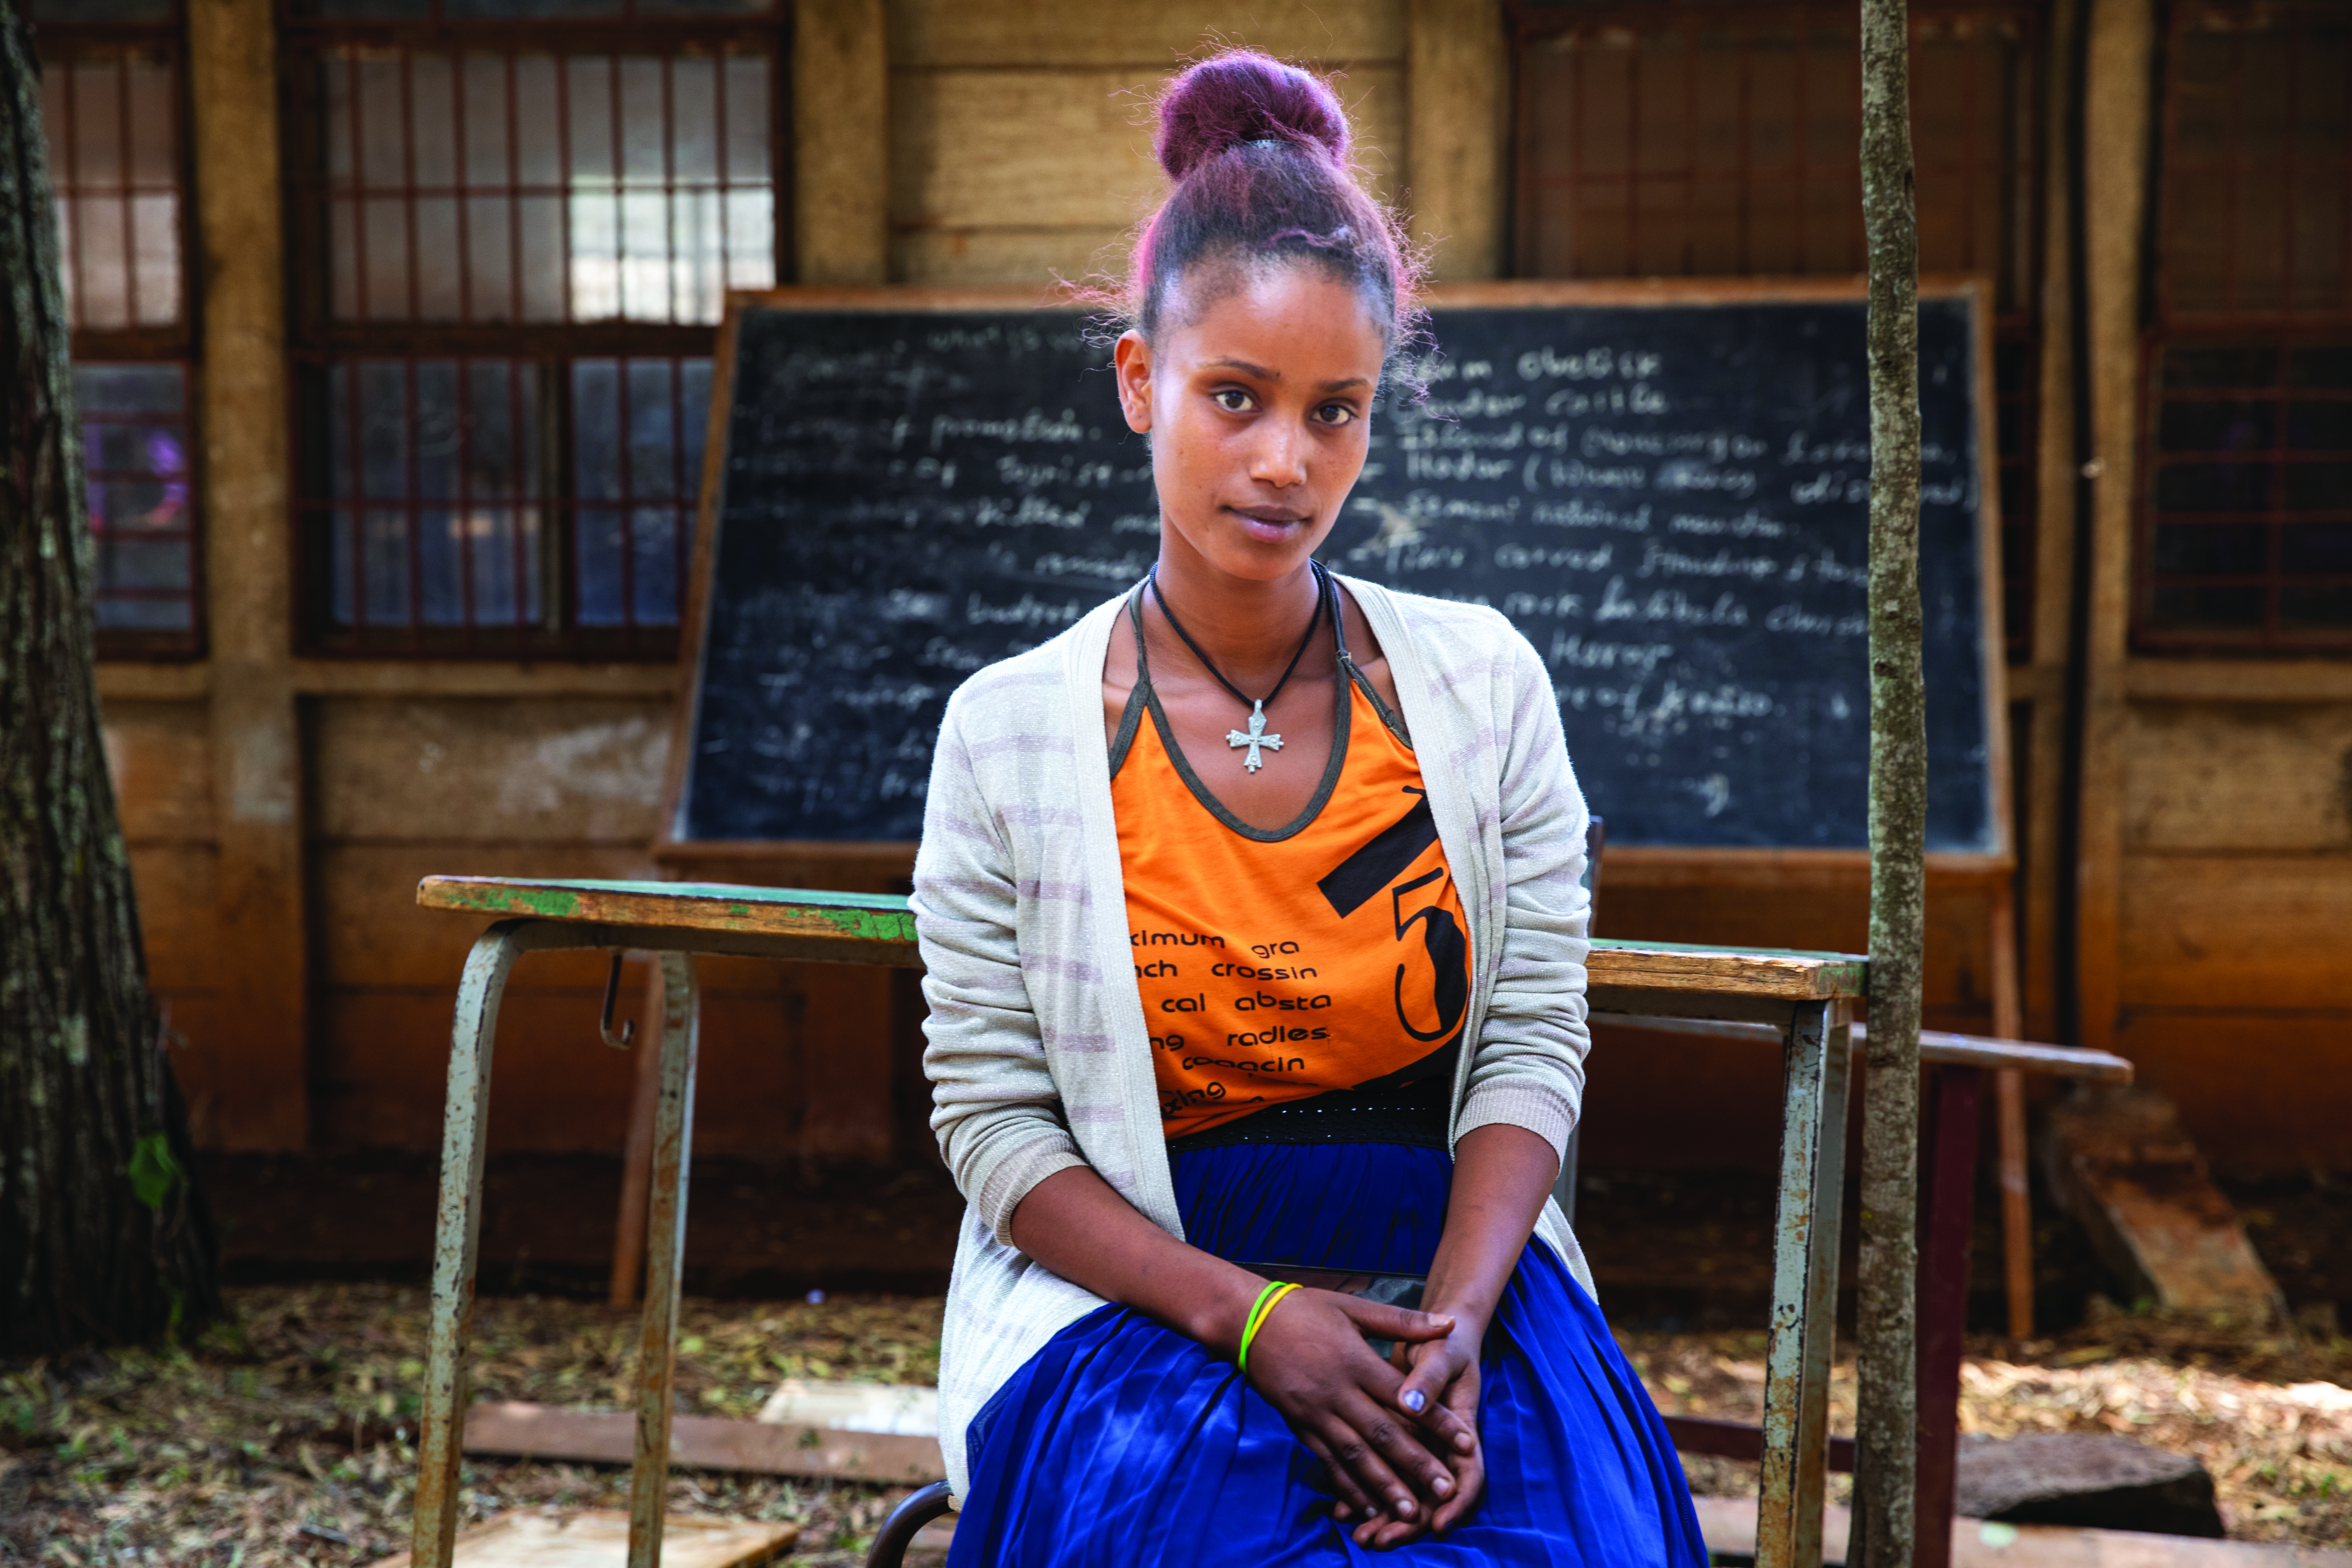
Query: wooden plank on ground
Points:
[705, 1442]
[599, 1538]
[2123, 1166]
[1728, 1525]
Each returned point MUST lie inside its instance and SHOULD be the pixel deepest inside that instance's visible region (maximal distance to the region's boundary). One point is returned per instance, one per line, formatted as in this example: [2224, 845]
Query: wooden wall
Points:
[280, 809]
[2233, 970]
[1021, 134]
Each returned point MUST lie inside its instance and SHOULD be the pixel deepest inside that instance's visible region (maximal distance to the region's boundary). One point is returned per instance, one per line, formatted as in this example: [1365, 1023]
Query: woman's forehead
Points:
[1289, 316]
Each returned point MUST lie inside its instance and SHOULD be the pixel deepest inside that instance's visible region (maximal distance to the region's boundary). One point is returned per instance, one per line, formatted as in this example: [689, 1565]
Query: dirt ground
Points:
[286, 1437]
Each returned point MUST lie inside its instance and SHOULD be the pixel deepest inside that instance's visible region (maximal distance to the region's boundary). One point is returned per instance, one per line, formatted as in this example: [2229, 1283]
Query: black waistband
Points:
[1411, 1113]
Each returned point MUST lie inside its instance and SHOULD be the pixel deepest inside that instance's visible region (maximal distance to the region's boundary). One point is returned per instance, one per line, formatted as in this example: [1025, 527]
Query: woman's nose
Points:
[1278, 457]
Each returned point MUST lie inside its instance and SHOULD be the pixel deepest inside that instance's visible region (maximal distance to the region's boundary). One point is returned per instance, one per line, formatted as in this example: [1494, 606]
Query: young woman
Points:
[1255, 944]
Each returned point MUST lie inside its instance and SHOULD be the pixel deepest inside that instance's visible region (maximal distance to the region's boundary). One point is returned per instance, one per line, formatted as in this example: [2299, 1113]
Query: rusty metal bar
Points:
[456, 1241]
[1803, 1329]
[665, 1256]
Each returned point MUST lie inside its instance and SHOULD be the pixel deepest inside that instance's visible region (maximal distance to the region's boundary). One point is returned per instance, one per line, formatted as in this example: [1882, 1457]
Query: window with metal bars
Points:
[2246, 496]
[1700, 138]
[111, 107]
[511, 243]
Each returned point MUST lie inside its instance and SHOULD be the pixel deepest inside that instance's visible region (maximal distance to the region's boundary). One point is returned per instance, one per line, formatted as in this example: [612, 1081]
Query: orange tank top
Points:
[1331, 954]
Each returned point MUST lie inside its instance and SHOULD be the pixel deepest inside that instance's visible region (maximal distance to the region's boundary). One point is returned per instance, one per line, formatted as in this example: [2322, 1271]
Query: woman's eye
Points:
[1233, 400]
[1335, 413]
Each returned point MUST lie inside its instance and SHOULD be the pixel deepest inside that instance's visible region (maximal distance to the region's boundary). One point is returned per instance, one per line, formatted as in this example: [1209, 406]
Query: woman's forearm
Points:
[1075, 1224]
[1502, 1174]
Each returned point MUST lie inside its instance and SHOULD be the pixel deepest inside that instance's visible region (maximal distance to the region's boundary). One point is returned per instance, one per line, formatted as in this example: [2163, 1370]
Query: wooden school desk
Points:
[1806, 999]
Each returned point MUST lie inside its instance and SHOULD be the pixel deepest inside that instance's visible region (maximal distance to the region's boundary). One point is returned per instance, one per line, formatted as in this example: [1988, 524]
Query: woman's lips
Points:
[1269, 524]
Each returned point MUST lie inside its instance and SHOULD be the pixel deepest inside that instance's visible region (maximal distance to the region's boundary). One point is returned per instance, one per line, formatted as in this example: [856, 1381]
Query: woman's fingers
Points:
[1353, 1455]
[1469, 1463]
[1397, 1443]
[1423, 1392]
[1354, 1501]
[1386, 1322]
[1470, 1485]
[1436, 1368]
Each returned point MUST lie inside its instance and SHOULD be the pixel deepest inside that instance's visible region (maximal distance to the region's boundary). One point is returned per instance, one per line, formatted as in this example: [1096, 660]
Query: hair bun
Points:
[1241, 96]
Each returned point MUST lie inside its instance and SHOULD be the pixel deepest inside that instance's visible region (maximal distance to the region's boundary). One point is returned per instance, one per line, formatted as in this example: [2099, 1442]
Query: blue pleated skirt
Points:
[1123, 1443]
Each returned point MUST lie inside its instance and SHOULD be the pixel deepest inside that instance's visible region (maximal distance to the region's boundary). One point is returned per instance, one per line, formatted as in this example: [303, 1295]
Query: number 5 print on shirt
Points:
[1449, 957]
[1366, 873]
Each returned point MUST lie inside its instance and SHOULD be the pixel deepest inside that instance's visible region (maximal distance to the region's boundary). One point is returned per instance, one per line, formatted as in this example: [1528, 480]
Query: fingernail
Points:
[1414, 1400]
[1405, 1508]
[1442, 1484]
[1461, 1440]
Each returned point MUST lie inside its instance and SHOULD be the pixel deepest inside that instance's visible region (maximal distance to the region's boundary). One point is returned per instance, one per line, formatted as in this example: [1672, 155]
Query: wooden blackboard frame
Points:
[896, 858]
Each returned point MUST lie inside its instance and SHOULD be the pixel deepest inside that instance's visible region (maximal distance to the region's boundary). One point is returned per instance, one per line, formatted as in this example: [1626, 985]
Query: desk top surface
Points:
[881, 919]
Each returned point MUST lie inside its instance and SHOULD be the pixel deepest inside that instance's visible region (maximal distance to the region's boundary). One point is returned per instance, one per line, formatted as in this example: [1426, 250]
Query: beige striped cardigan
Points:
[1039, 1057]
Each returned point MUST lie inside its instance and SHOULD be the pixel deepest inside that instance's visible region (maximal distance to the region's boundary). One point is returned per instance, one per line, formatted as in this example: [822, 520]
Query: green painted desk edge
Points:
[553, 899]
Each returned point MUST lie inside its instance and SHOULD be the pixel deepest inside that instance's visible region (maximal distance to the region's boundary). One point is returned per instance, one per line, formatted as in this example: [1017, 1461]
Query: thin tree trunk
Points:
[1887, 1432]
[102, 1235]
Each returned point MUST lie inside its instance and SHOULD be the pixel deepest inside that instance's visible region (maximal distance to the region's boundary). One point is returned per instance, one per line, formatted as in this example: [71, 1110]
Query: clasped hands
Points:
[1398, 1437]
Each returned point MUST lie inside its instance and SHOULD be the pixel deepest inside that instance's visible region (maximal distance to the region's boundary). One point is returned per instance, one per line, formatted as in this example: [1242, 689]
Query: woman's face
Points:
[1257, 394]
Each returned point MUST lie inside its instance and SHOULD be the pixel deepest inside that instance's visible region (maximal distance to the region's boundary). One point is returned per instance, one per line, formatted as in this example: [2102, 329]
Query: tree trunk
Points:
[104, 1237]
[1887, 1431]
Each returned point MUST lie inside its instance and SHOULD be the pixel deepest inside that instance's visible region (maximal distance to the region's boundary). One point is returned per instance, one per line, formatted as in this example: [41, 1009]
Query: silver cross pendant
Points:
[1256, 738]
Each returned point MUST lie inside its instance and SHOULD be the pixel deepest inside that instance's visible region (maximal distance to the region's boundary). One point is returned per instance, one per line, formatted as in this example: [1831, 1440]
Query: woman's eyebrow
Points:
[1344, 384]
[1246, 368]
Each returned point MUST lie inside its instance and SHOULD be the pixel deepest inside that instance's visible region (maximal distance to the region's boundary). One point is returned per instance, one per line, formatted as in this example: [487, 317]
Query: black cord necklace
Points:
[1254, 738]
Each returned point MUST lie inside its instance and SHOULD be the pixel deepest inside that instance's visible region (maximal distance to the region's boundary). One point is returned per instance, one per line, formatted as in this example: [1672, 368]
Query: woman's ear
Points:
[1133, 357]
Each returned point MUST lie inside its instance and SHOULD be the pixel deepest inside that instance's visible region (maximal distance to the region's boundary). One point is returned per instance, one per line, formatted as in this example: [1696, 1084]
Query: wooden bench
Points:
[1804, 1000]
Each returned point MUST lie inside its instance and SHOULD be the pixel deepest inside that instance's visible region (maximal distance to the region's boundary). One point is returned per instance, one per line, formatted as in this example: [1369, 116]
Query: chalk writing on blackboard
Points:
[1668, 499]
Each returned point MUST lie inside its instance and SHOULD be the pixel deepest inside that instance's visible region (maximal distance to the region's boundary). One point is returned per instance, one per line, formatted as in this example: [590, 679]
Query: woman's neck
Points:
[1248, 626]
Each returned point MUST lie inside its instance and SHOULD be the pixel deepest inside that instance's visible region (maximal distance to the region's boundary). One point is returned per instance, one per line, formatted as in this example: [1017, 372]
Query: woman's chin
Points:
[1262, 552]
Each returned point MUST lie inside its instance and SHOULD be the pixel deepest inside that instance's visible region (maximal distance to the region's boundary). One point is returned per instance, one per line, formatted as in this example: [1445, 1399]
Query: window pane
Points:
[101, 10]
[135, 459]
[2212, 550]
[2319, 549]
[2217, 427]
[2320, 426]
[2316, 606]
[518, 10]
[2255, 204]
[637, 427]
[1693, 139]
[497, 185]
[2273, 568]
[113, 155]
[434, 517]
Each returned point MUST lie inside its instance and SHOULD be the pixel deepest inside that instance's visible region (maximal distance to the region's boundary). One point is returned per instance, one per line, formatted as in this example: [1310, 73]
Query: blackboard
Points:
[1665, 490]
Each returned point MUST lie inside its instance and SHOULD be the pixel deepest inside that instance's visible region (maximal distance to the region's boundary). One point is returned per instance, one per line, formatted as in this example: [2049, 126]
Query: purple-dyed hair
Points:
[1258, 151]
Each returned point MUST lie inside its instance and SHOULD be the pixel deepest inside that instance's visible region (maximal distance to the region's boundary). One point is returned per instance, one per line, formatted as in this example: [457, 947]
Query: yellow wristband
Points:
[1266, 1300]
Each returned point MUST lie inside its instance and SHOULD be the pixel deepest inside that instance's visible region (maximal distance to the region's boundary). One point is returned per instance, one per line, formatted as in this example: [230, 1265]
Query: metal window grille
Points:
[510, 244]
[638, 427]
[2246, 496]
[1687, 138]
[134, 430]
[514, 186]
[111, 110]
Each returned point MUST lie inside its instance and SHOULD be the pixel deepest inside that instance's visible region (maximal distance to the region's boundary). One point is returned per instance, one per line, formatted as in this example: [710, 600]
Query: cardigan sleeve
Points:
[1529, 1070]
[994, 1107]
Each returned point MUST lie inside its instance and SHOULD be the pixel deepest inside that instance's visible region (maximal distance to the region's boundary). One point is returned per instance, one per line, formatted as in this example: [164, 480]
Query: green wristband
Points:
[1266, 1301]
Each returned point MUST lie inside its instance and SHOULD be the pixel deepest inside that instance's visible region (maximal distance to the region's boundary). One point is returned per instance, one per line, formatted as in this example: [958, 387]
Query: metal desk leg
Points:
[457, 1239]
[1806, 1220]
[1949, 1202]
[665, 1256]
